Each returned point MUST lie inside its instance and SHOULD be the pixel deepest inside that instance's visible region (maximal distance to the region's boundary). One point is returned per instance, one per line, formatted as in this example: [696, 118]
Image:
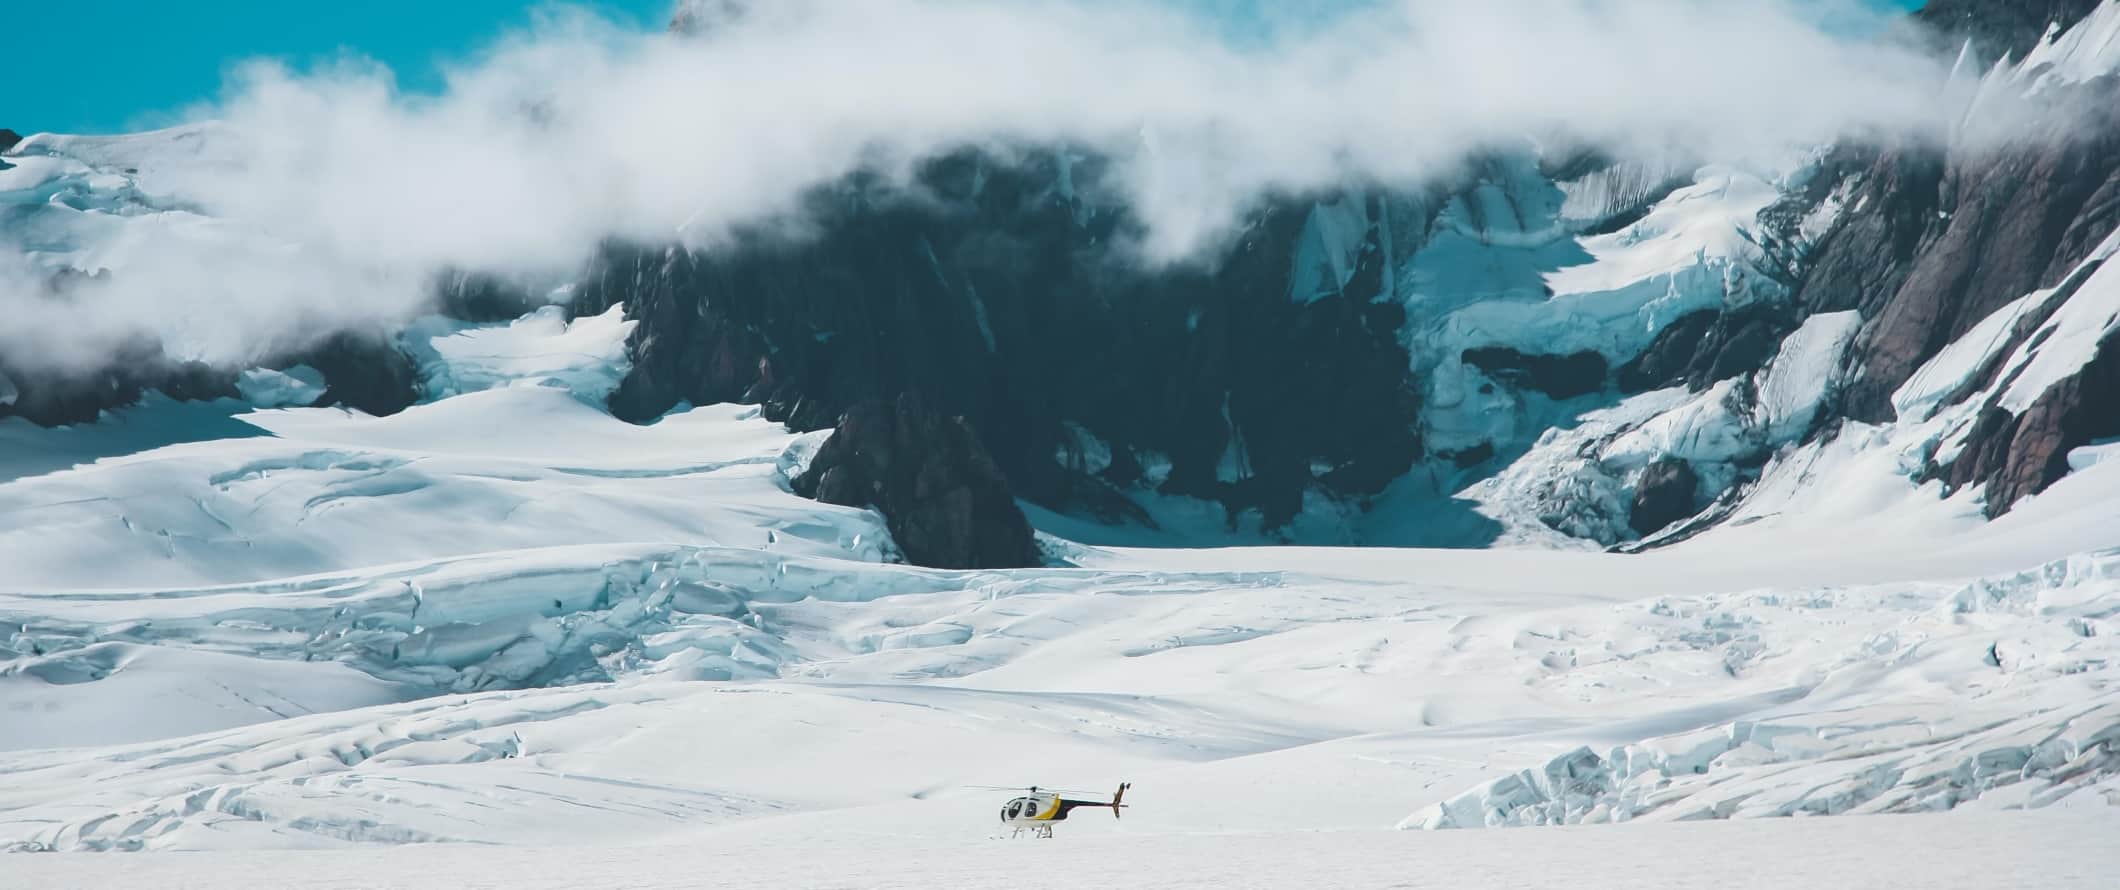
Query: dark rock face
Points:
[1559, 376]
[946, 503]
[51, 393]
[1666, 494]
[50, 396]
[2020, 455]
[1003, 298]
[1956, 240]
[362, 370]
[2000, 26]
[1707, 347]
[1740, 343]
[8, 138]
[1944, 240]
[1669, 358]
[470, 296]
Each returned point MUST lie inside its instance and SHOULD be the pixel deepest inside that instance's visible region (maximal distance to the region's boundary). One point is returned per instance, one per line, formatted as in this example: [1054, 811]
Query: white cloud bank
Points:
[576, 130]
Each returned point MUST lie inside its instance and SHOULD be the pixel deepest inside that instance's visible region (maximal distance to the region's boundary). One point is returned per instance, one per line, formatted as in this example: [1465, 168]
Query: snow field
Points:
[1978, 852]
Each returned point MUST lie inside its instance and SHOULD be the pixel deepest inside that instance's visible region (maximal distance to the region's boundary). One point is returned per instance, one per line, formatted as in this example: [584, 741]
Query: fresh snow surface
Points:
[587, 356]
[2087, 50]
[1941, 377]
[2070, 338]
[505, 618]
[1980, 852]
[2063, 59]
[1505, 269]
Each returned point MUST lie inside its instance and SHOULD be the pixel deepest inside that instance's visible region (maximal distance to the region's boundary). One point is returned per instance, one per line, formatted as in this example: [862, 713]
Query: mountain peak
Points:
[1999, 26]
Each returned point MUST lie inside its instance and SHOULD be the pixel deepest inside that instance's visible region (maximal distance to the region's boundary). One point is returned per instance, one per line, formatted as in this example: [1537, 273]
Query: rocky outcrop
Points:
[995, 290]
[1667, 493]
[1670, 357]
[2019, 455]
[479, 297]
[50, 395]
[1559, 376]
[8, 138]
[945, 502]
[1944, 239]
[1999, 26]
[1004, 295]
[366, 371]
[1956, 238]
[1708, 347]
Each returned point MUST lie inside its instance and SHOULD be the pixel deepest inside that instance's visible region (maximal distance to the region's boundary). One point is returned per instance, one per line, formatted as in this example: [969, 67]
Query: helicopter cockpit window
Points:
[1015, 808]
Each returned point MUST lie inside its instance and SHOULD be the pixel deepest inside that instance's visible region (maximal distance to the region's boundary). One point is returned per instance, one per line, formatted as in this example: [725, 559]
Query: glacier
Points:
[260, 625]
[336, 658]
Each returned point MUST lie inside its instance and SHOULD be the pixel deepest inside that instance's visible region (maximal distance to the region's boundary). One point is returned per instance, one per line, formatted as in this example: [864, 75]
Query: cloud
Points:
[335, 196]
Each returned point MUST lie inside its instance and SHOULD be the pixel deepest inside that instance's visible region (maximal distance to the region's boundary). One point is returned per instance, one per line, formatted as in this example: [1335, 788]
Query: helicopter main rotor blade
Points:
[1036, 788]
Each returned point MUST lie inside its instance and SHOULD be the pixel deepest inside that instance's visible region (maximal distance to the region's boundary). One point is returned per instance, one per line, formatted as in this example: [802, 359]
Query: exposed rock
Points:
[1707, 347]
[1945, 241]
[2000, 26]
[1559, 376]
[2020, 455]
[1741, 344]
[471, 296]
[50, 395]
[195, 381]
[1004, 295]
[2029, 325]
[1669, 356]
[9, 139]
[362, 370]
[1987, 450]
[945, 502]
[1666, 494]
[1470, 457]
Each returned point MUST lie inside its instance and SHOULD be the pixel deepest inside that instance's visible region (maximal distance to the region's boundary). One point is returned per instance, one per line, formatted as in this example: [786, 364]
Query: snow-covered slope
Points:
[505, 617]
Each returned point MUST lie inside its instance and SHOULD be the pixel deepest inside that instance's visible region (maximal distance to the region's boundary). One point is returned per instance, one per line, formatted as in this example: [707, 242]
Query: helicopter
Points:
[1037, 810]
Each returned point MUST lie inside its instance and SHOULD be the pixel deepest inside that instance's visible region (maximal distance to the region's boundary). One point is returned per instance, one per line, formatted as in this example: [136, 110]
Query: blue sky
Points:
[100, 66]
[91, 66]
